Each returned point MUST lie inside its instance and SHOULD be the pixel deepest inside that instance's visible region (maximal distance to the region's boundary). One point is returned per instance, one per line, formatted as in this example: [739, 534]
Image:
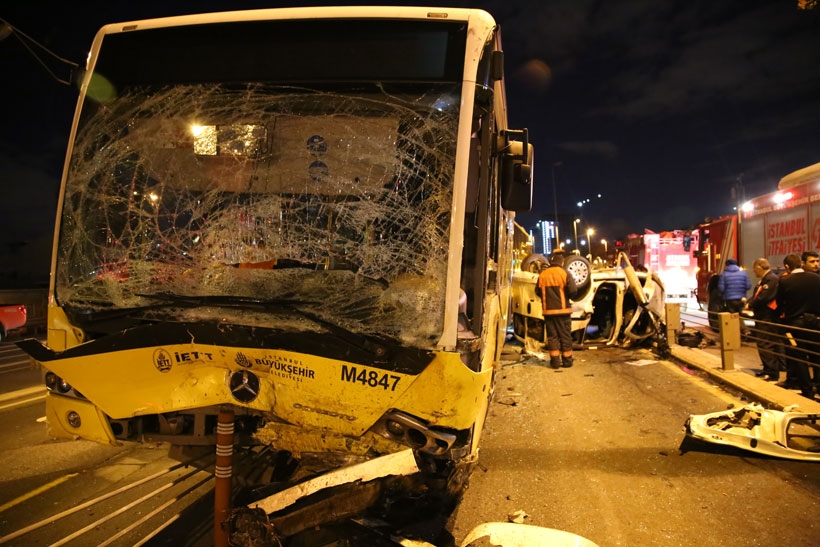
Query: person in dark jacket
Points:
[790, 262]
[555, 287]
[764, 306]
[798, 299]
[734, 284]
[810, 261]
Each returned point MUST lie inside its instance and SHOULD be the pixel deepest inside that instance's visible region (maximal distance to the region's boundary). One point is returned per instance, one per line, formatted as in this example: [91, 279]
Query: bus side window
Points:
[463, 320]
[471, 225]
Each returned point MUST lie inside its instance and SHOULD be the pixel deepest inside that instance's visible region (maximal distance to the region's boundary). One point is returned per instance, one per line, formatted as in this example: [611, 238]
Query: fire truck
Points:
[770, 226]
[669, 254]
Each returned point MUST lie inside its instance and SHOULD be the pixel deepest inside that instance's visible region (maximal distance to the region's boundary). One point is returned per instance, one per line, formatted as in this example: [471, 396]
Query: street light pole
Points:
[590, 231]
[555, 199]
[575, 229]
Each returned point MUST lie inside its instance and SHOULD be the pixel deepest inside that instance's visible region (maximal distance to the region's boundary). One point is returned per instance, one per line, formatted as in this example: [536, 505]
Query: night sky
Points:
[669, 110]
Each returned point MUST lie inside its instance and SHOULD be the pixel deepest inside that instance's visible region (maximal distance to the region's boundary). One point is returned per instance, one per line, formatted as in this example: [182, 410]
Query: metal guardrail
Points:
[728, 327]
[729, 330]
[778, 336]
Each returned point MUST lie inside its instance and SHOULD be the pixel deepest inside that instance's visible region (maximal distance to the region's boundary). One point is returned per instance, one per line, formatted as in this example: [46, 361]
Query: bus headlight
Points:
[73, 419]
[55, 383]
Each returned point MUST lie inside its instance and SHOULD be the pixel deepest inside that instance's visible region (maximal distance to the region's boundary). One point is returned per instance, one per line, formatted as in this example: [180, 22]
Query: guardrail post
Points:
[729, 338]
[672, 321]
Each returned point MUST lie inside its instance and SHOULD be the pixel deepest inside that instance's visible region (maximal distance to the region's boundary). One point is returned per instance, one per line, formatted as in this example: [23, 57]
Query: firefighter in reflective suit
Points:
[555, 287]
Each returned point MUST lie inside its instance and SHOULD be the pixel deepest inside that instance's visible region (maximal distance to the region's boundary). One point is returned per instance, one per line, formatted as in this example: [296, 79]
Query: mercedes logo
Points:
[244, 386]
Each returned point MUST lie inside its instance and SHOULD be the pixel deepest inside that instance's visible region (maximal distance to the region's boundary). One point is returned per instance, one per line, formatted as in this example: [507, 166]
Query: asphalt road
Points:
[597, 450]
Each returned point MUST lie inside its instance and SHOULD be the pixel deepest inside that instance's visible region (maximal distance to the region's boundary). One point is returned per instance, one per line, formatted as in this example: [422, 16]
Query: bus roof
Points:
[800, 177]
[330, 12]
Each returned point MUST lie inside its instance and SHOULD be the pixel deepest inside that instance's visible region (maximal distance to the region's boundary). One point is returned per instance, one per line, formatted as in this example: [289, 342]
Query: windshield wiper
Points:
[171, 300]
[92, 315]
[375, 346]
[225, 301]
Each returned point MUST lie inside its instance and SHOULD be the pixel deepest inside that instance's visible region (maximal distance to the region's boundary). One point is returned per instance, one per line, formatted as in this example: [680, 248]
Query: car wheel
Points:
[533, 263]
[578, 267]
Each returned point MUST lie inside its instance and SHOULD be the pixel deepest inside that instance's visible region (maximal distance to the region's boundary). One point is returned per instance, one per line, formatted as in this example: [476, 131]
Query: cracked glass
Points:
[337, 199]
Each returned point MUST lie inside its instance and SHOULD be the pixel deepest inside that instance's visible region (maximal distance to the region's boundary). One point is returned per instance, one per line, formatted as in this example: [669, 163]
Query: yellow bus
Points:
[302, 214]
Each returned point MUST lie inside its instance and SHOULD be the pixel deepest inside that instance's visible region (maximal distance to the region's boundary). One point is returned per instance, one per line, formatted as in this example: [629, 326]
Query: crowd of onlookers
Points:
[786, 308]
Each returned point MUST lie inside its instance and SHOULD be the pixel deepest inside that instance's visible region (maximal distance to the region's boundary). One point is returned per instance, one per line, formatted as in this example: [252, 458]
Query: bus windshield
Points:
[212, 167]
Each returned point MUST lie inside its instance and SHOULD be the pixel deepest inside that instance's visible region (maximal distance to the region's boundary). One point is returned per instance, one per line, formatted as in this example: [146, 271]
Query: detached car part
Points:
[781, 434]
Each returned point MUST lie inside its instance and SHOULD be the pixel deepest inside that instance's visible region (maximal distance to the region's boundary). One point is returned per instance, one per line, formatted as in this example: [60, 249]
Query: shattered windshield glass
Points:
[336, 197]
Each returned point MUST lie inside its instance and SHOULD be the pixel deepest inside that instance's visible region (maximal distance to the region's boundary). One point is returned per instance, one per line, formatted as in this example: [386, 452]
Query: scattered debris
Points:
[641, 362]
[781, 434]
[691, 339]
[509, 400]
[517, 517]
[522, 535]
[534, 348]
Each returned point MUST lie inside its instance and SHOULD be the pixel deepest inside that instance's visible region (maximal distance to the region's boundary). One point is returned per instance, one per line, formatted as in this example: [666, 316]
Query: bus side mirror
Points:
[516, 173]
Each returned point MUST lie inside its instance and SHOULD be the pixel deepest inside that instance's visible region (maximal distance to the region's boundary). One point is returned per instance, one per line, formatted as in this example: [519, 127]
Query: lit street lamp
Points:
[575, 229]
[590, 231]
[606, 249]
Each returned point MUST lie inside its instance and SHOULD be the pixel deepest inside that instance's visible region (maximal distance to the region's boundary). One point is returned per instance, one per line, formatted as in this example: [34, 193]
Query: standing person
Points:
[798, 298]
[555, 287]
[734, 284]
[811, 261]
[790, 262]
[764, 306]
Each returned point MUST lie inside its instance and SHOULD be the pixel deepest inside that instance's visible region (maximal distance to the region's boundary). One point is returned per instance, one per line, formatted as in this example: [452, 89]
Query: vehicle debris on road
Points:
[781, 434]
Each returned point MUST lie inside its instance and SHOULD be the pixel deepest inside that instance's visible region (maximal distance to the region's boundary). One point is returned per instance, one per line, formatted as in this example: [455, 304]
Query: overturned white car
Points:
[614, 305]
